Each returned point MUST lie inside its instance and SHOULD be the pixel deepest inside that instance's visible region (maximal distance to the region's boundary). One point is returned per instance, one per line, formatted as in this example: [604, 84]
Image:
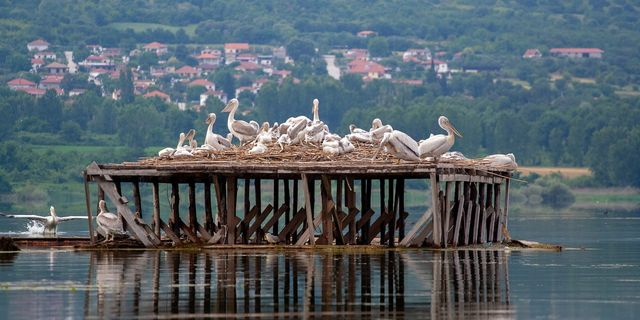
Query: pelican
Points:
[400, 145]
[270, 238]
[108, 222]
[353, 129]
[244, 131]
[259, 148]
[184, 151]
[436, 145]
[378, 130]
[50, 222]
[501, 160]
[166, 152]
[265, 135]
[453, 155]
[217, 141]
[337, 147]
[315, 130]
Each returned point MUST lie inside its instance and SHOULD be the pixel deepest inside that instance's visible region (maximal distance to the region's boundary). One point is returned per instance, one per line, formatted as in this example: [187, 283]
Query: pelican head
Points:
[351, 127]
[191, 134]
[231, 105]
[211, 118]
[376, 123]
[510, 155]
[102, 205]
[446, 125]
[265, 127]
[316, 116]
[52, 211]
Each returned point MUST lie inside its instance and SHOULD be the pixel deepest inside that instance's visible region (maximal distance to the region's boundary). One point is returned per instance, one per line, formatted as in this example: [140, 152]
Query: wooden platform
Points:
[467, 203]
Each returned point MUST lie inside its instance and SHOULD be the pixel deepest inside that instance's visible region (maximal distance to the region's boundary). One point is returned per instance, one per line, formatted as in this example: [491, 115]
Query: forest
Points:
[549, 112]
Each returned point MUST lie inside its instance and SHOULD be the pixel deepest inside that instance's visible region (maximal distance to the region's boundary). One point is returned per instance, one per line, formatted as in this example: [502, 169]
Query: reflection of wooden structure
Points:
[298, 284]
[469, 202]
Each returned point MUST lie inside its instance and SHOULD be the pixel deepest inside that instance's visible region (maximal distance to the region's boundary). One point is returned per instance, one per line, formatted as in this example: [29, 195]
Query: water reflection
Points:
[301, 284]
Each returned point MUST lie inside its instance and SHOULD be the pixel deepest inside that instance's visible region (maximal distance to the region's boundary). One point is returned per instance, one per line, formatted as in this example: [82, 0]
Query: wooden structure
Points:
[323, 202]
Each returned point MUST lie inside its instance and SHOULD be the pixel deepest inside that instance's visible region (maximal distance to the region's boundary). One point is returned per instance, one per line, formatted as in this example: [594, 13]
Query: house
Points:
[20, 83]
[97, 62]
[248, 67]
[245, 88]
[38, 45]
[209, 58]
[36, 64]
[279, 53]
[158, 94]
[95, 49]
[34, 91]
[257, 85]
[187, 72]
[247, 57]
[368, 69]
[220, 95]
[280, 73]
[203, 83]
[439, 66]
[140, 86]
[45, 55]
[50, 82]
[56, 68]
[265, 59]
[577, 52]
[231, 50]
[366, 34]
[532, 54]
[156, 47]
[357, 54]
[416, 55]
[76, 92]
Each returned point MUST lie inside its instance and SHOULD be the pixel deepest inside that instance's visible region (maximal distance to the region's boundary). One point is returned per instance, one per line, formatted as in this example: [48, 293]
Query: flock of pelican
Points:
[302, 130]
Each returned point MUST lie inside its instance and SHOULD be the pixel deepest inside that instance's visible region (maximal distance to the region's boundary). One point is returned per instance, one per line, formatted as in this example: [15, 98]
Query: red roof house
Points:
[20, 83]
[158, 94]
[577, 52]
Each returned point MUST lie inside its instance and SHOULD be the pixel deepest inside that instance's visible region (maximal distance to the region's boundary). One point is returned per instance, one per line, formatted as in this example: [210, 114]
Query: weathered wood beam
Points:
[383, 211]
[468, 213]
[231, 220]
[287, 201]
[219, 185]
[327, 206]
[476, 213]
[483, 214]
[175, 207]
[350, 195]
[167, 231]
[208, 212]
[87, 198]
[490, 213]
[293, 225]
[259, 219]
[447, 214]
[294, 233]
[276, 202]
[274, 218]
[460, 201]
[498, 216]
[155, 190]
[246, 223]
[193, 217]
[187, 231]
[506, 208]
[402, 217]
[137, 200]
[203, 232]
[437, 224]
[307, 199]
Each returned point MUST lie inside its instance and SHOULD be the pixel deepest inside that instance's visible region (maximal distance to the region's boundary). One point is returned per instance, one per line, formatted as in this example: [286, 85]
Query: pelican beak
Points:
[455, 130]
[227, 108]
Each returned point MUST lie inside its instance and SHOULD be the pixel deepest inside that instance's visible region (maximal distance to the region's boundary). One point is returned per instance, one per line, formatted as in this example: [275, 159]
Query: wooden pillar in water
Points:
[276, 203]
[363, 203]
[137, 200]
[351, 205]
[498, 212]
[193, 218]
[87, 198]
[294, 235]
[327, 223]
[383, 208]
[307, 202]
[155, 189]
[483, 213]
[506, 207]
[175, 208]
[447, 214]
[287, 201]
[232, 190]
[435, 207]
[401, 221]
[208, 212]
[391, 213]
[491, 214]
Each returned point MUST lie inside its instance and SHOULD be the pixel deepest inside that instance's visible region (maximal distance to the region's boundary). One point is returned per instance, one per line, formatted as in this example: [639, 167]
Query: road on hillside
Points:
[332, 69]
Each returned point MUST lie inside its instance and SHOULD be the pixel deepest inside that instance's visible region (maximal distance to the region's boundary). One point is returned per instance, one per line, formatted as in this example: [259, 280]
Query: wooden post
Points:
[208, 212]
[490, 213]
[294, 233]
[276, 200]
[363, 204]
[401, 210]
[87, 198]
[232, 190]
[312, 192]
[506, 207]
[498, 215]
[394, 202]
[100, 197]
[483, 213]
[351, 204]
[460, 203]
[287, 201]
[137, 200]
[193, 218]
[437, 224]
[383, 210]
[175, 208]
[447, 214]
[476, 212]
[307, 200]
[219, 184]
[391, 212]
[156, 208]
[327, 204]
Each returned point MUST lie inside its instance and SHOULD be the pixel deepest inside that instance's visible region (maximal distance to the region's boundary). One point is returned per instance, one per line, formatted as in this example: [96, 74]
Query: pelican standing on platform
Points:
[244, 131]
[215, 140]
[436, 145]
[166, 152]
[109, 222]
[50, 223]
[501, 160]
[399, 144]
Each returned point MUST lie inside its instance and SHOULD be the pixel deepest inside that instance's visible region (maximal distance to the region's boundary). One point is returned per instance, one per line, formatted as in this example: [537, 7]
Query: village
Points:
[189, 81]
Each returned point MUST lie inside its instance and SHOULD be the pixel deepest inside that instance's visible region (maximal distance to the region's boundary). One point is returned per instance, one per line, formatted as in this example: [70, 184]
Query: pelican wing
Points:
[407, 143]
[223, 141]
[295, 130]
[110, 221]
[25, 216]
[244, 128]
[435, 142]
[67, 218]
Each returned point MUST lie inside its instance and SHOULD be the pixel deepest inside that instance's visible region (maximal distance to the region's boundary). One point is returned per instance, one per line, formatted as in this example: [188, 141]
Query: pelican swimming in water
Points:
[501, 160]
[399, 144]
[244, 131]
[436, 145]
[215, 140]
[109, 223]
[50, 222]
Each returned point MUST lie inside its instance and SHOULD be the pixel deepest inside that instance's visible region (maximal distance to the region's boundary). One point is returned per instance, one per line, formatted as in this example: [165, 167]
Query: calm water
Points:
[596, 276]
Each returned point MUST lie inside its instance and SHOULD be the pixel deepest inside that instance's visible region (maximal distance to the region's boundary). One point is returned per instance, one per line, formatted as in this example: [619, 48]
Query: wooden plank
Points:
[506, 213]
[276, 202]
[203, 232]
[467, 213]
[175, 208]
[275, 216]
[169, 232]
[246, 222]
[403, 214]
[259, 219]
[447, 214]
[483, 214]
[476, 213]
[208, 212]
[137, 200]
[155, 190]
[287, 201]
[456, 230]
[497, 216]
[490, 214]
[383, 210]
[327, 207]
[422, 234]
[408, 239]
[340, 240]
[437, 224]
[87, 198]
[187, 231]
[307, 199]
[377, 226]
[307, 235]
[294, 234]
[350, 195]
[149, 240]
[293, 225]
[193, 217]
[231, 209]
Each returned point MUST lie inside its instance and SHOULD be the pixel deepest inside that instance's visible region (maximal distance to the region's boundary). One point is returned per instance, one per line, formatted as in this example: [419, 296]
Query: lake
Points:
[597, 275]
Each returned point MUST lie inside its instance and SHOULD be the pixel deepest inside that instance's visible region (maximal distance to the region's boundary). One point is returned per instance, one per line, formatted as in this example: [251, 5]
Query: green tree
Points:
[301, 49]
[126, 86]
[379, 47]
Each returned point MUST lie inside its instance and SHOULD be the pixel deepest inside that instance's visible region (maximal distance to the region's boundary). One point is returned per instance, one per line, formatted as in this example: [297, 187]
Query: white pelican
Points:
[108, 222]
[378, 130]
[215, 140]
[453, 155]
[315, 130]
[436, 145]
[50, 222]
[337, 147]
[400, 145]
[244, 131]
[166, 152]
[270, 238]
[501, 160]
[265, 135]
[353, 129]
